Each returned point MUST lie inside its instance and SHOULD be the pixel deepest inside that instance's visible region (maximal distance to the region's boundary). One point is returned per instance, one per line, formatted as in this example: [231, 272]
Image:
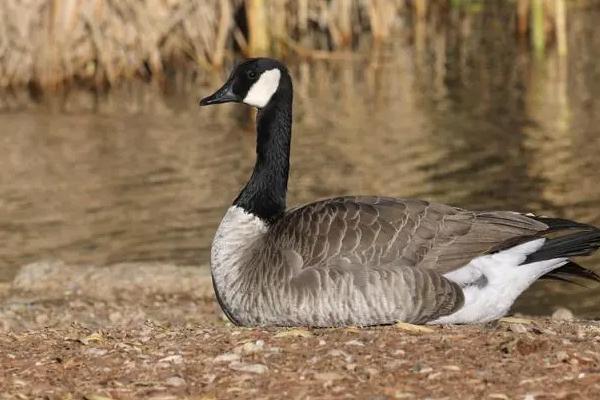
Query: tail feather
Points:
[584, 241]
[558, 224]
[570, 272]
[572, 245]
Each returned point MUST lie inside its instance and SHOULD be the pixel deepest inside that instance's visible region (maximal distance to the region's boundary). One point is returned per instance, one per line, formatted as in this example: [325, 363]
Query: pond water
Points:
[465, 116]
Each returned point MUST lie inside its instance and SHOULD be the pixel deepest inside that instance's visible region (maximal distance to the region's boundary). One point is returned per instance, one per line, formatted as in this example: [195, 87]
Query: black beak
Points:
[223, 95]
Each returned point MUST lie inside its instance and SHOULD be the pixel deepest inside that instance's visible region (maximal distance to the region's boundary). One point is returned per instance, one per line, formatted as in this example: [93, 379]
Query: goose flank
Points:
[368, 260]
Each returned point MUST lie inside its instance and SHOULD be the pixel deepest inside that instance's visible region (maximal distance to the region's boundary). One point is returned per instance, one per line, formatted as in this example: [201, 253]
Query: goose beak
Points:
[223, 95]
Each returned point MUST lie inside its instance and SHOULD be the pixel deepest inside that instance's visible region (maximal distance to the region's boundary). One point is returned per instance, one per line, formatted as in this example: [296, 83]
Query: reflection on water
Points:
[468, 120]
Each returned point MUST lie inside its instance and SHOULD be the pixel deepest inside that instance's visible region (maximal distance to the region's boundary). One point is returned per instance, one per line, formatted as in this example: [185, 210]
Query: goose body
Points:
[368, 260]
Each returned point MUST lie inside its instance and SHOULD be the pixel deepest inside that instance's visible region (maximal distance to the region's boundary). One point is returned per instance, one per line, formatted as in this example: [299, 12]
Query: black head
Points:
[252, 82]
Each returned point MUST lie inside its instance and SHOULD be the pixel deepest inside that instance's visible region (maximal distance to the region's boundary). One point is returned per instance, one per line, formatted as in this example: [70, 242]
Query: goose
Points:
[368, 260]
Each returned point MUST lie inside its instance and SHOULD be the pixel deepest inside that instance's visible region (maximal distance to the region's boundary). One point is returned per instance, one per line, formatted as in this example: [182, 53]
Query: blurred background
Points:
[107, 157]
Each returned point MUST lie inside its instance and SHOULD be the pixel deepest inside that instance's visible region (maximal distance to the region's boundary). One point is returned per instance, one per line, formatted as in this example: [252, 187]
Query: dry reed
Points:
[52, 42]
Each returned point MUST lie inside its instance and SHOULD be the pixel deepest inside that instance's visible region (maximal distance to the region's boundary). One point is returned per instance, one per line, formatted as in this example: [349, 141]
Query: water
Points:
[466, 117]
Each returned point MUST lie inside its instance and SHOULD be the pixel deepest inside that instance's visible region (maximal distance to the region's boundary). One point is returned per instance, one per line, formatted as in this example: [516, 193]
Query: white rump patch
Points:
[492, 283]
[263, 89]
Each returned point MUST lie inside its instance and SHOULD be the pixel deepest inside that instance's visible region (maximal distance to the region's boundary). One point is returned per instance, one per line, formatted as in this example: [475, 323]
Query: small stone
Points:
[95, 352]
[395, 364]
[517, 328]
[328, 376]
[322, 342]
[371, 372]
[340, 353]
[174, 359]
[455, 368]
[404, 395]
[562, 356]
[499, 396]
[351, 366]
[115, 316]
[226, 357]
[252, 347]
[433, 376]
[562, 314]
[354, 343]
[175, 381]
[244, 367]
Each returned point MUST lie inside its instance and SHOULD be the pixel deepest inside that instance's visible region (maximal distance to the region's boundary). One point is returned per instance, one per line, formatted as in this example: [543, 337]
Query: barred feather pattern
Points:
[354, 260]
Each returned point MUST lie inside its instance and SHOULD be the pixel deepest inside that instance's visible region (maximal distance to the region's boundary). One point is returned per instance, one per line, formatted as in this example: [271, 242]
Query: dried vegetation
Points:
[49, 43]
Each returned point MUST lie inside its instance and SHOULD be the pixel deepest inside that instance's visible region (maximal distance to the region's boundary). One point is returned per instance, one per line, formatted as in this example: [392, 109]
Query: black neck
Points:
[265, 193]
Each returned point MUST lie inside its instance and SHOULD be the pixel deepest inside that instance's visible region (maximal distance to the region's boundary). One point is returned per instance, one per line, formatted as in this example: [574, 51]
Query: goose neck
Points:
[265, 193]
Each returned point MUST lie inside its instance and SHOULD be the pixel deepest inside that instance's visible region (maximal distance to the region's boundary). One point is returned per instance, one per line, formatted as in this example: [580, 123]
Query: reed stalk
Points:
[258, 30]
[50, 43]
[560, 14]
[538, 31]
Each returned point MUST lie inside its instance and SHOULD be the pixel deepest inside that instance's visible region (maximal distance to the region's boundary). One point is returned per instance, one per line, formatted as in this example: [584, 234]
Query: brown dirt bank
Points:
[61, 343]
[541, 360]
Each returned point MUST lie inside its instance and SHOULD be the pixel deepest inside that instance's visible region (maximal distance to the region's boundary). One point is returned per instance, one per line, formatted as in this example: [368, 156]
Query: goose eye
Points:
[251, 74]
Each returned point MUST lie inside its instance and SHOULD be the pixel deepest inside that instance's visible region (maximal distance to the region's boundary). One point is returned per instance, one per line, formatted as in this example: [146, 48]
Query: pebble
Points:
[354, 343]
[115, 316]
[95, 352]
[395, 364]
[351, 366]
[435, 375]
[562, 356]
[562, 314]
[340, 353]
[251, 347]
[517, 328]
[403, 395]
[174, 359]
[328, 376]
[226, 357]
[175, 381]
[451, 367]
[244, 367]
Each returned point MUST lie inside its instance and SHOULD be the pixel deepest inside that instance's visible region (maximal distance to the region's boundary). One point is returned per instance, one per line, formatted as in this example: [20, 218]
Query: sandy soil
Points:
[74, 344]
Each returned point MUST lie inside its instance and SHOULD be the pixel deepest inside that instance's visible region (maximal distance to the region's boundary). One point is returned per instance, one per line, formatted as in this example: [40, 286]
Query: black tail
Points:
[559, 224]
[583, 242]
[571, 245]
[570, 272]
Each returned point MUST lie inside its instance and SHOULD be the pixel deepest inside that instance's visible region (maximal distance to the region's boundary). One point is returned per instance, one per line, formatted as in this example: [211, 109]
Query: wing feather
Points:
[403, 232]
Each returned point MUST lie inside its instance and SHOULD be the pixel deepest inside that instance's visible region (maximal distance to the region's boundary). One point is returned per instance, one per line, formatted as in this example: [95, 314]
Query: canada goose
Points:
[368, 260]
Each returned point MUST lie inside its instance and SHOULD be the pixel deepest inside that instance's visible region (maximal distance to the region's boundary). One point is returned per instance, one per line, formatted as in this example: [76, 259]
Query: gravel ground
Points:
[148, 344]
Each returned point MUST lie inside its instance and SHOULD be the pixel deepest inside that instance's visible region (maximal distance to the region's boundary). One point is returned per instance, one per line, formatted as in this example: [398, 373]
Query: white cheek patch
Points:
[261, 91]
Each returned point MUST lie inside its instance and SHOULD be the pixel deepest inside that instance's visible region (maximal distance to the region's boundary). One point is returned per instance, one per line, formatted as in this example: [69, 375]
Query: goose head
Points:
[253, 82]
